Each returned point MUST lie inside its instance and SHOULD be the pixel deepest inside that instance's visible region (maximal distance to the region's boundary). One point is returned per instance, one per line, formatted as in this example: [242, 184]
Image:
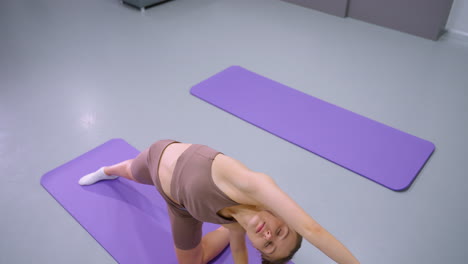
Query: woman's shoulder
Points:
[236, 180]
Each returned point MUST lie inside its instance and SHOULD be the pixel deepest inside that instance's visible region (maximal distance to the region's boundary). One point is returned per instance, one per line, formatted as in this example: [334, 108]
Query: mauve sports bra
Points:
[193, 186]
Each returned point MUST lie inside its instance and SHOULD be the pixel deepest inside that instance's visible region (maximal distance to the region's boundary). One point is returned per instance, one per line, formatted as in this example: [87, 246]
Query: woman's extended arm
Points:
[237, 243]
[264, 191]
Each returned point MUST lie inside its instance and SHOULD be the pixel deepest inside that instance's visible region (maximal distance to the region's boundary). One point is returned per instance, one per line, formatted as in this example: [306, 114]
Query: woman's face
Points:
[271, 235]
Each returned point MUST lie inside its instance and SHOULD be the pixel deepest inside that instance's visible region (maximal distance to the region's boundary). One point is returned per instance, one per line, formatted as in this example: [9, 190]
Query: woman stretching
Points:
[200, 185]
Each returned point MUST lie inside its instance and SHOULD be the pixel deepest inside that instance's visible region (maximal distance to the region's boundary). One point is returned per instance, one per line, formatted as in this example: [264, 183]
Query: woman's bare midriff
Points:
[167, 164]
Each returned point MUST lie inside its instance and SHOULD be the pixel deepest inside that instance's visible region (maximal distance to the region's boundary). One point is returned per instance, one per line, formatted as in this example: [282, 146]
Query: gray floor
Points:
[74, 74]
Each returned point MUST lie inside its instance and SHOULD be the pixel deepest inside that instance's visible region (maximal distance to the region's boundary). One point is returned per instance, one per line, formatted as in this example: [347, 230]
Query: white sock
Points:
[96, 176]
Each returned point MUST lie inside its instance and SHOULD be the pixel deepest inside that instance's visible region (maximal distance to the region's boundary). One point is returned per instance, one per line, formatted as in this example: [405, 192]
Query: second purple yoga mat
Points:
[378, 152]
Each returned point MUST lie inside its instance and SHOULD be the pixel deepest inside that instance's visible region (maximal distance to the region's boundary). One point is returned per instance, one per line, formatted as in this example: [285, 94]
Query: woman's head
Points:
[276, 241]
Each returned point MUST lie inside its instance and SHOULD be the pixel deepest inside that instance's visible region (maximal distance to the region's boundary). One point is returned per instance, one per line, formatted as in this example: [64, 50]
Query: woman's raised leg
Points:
[121, 169]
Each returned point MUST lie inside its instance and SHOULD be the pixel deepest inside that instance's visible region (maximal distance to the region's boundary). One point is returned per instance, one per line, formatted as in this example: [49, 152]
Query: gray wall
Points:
[458, 19]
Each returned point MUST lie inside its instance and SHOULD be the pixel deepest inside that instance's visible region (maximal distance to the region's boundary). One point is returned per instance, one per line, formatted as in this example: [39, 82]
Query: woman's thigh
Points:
[187, 235]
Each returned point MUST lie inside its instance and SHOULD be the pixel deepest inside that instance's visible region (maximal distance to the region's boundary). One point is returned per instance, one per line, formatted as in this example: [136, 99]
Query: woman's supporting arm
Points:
[237, 243]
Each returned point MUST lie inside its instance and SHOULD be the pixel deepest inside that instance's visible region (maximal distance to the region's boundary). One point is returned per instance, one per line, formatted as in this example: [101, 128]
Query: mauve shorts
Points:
[186, 230]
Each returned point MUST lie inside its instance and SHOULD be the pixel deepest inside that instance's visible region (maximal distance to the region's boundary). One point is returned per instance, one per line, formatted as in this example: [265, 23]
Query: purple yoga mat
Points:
[127, 219]
[378, 152]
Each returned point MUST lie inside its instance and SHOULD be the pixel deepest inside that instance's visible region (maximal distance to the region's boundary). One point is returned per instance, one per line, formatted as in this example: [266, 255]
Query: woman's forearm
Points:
[239, 251]
[240, 256]
[237, 243]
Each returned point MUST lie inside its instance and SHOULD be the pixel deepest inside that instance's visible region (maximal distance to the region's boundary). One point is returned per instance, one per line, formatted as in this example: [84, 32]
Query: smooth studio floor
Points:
[74, 74]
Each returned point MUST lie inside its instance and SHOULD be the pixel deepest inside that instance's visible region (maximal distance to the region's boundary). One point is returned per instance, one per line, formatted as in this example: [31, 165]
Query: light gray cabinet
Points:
[142, 4]
[424, 18]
